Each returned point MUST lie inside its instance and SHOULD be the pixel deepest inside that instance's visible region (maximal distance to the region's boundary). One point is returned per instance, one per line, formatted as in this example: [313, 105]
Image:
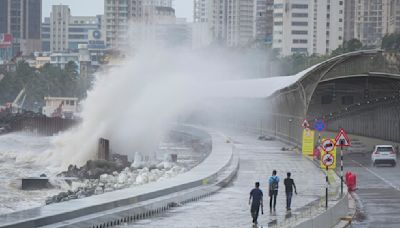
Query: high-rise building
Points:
[202, 11]
[22, 19]
[202, 28]
[235, 22]
[264, 10]
[308, 26]
[349, 19]
[328, 28]
[240, 20]
[373, 19]
[165, 3]
[59, 23]
[64, 33]
[120, 15]
[117, 13]
[293, 26]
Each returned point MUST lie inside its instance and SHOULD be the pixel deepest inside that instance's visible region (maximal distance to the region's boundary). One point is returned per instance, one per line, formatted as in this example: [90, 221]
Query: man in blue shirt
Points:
[257, 196]
[273, 189]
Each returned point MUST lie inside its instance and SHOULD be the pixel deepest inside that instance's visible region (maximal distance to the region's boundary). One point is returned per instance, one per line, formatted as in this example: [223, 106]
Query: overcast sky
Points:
[183, 8]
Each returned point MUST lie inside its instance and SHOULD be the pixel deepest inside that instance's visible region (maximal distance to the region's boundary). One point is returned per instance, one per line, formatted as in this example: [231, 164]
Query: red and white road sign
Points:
[305, 124]
[342, 139]
[328, 160]
[328, 145]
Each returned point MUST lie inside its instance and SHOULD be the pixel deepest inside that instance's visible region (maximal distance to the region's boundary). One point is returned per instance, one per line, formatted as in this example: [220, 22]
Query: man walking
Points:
[256, 199]
[289, 185]
[273, 190]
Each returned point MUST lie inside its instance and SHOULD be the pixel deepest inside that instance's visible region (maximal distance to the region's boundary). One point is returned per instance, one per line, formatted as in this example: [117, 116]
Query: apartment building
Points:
[308, 26]
[59, 23]
[234, 22]
[328, 28]
[293, 26]
[240, 20]
[22, 19]
[373, 20]
[62, 32]
[263, 26]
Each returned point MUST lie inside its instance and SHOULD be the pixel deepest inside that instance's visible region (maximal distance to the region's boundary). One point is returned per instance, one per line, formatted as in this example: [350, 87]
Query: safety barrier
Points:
[328, 218]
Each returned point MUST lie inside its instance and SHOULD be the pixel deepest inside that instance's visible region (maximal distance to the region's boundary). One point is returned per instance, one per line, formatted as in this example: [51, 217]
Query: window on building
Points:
[278, 6]
[299, 23]
[299, 14]
[278, 23]
[299, 32]
[299, 50]
[299, 6]
[299, 41]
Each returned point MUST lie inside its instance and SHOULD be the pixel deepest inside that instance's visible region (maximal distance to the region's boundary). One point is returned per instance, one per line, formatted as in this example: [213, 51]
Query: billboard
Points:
[5, 40]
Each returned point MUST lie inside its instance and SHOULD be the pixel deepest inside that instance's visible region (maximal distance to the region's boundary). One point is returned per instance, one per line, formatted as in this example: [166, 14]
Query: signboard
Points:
[308, 142]
[95, 35]
[342, 139]
[328, 145]
[5, 40]
[324, 155]
[328, 160]
[305, 124]
[319, 125]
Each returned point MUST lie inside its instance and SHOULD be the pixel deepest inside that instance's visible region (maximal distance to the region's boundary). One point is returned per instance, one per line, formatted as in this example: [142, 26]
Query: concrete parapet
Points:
[115, 208]
[329, 218]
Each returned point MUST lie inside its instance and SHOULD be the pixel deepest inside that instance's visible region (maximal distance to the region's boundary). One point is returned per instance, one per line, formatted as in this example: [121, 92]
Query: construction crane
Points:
[58, 111]
[18, 103]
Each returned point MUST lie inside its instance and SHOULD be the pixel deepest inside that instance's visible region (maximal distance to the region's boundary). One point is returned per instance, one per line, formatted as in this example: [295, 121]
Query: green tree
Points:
[50, 80]
[391, 42]
[348, 46]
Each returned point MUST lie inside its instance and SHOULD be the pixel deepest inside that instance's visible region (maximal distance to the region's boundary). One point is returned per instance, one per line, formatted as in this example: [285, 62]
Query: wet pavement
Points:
[378, 190]
[229, 207]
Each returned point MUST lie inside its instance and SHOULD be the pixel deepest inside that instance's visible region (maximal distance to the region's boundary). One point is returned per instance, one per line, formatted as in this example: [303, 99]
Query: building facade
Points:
[308, 26]
[117, 15]
[240, 20]
[328, 28]
[373, 20]
[22, 19]
[59, 23]
[126, 20]
[370, 20]
[64, 33]
[263, 31]
[235, 23]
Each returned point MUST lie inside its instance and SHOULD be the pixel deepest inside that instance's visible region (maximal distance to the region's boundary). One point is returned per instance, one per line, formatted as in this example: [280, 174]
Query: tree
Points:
[50, 80]
[348, 46]
[352, 45]
[391, 42]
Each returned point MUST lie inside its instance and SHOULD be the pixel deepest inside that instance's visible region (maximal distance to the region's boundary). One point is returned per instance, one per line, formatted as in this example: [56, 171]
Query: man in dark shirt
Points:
[257, 195]
[289, 185]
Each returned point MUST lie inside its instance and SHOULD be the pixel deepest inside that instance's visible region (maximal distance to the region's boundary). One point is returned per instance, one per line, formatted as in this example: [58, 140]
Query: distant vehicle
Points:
[384, 154]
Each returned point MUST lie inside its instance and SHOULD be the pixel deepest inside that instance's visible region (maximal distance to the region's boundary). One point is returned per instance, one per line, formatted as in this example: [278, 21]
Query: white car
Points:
[384, 154]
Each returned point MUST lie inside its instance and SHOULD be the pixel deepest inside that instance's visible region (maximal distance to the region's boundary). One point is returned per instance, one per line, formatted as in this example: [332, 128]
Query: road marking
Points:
[379, 176]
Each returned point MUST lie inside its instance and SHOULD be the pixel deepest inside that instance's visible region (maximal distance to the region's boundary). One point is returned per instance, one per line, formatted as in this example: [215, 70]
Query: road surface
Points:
[378, 190]
[229, 207]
